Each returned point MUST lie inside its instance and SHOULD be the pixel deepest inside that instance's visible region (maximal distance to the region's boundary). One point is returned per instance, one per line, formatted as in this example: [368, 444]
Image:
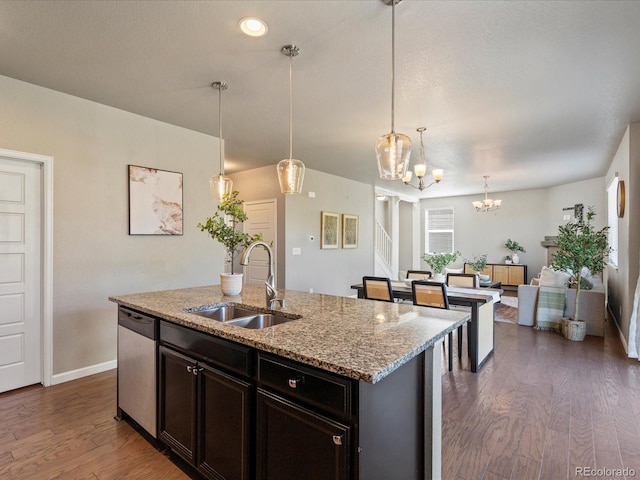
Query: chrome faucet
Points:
[271, 293]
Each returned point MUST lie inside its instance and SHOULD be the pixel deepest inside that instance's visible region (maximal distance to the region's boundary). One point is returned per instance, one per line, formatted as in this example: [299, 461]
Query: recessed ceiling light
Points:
[252, 26]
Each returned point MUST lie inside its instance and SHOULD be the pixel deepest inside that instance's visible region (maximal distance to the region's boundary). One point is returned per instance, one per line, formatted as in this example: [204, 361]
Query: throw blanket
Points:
[550, 308]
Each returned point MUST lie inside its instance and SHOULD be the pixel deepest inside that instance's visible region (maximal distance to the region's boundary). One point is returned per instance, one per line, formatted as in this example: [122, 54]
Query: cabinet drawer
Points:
[313, 387]
[215, 351]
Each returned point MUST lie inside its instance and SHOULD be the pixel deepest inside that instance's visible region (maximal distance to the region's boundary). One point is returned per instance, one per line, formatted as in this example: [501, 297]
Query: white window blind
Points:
[612, 220]
[438, 230]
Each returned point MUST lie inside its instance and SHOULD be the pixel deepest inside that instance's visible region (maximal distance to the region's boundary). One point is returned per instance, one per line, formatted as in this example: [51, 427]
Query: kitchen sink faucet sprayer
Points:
[272, 293]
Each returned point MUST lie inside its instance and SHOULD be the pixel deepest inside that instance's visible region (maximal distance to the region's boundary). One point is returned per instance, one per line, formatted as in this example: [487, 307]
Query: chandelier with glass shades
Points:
[420, 169]
[220, 185]
[393, 149]
[488, 204]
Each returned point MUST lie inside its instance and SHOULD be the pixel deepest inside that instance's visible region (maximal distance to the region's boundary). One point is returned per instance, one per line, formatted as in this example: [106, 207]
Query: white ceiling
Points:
[533, 94]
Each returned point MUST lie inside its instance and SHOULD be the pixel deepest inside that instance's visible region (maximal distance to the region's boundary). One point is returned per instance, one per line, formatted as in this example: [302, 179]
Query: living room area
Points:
[528, 217]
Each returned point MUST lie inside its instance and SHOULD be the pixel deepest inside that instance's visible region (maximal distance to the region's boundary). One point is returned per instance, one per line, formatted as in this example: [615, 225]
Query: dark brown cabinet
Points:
[294, 442]
[205, 413]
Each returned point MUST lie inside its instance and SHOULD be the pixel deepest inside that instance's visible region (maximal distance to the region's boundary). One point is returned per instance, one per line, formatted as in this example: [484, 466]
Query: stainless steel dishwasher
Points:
[137, 368]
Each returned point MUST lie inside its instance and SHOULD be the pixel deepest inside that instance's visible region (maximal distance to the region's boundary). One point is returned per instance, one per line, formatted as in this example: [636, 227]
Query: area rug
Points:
[507, 310]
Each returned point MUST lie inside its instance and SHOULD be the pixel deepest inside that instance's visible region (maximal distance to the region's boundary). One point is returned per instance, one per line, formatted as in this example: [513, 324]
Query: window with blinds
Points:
[612, 220]
[438, 230]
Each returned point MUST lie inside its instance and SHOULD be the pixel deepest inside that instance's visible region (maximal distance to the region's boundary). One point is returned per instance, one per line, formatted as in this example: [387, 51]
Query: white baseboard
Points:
[623, 340]
[83, 372]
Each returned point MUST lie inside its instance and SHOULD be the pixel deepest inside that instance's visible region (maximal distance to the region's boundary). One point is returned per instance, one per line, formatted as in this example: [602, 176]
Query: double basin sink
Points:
[242, 316]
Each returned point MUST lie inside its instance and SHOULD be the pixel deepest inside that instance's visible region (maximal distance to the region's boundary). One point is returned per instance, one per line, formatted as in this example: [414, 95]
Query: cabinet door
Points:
[177, 402]
[501, 274]
[516, 275]
[224, 414]
[294, 443]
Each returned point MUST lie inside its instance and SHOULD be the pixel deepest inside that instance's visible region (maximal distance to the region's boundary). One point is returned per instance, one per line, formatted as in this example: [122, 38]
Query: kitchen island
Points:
[365, 373]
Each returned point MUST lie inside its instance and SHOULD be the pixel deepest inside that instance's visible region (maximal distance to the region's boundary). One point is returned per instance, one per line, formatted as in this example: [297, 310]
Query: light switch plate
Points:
[296, 251]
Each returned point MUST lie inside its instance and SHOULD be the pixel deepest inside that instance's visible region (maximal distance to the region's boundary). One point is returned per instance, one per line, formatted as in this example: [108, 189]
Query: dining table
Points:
[480, 329]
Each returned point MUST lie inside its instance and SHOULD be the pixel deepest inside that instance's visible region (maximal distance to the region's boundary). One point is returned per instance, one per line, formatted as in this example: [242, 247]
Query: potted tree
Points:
[580, 247]
[437, 262]
[224, 227]
[514, 247]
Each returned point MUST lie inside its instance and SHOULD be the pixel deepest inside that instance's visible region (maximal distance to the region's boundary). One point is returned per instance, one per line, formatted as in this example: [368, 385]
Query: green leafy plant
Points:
[581, 245]
[478, 263]
[437, 261]
[224, 226]
[514, 246]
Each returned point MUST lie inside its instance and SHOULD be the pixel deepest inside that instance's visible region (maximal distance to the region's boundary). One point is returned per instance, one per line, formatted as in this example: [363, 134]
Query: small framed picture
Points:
[349, 231]
[155, 201]
[329, 230]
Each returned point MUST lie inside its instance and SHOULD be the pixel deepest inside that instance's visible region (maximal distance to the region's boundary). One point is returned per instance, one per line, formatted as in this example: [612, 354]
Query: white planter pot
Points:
[231, 283]
[439, 277]
[515, 258]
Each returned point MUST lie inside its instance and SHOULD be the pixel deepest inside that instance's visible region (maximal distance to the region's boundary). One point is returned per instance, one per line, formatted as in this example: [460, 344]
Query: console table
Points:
[508, 275]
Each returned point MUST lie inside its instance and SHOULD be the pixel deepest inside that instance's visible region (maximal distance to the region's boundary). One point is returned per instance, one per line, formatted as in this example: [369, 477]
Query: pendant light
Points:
[290, 170]
[393, 150]
[220, 185]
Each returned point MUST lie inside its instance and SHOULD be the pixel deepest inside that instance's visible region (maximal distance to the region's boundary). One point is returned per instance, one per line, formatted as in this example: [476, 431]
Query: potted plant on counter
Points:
[581, 248]
[224, 227]
[438, 261]
[514, 247]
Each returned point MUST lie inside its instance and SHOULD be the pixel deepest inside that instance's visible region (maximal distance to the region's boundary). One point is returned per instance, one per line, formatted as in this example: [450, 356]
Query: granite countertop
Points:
[360, 339]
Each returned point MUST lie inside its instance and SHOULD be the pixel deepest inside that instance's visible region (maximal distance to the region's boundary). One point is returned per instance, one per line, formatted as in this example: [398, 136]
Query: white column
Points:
[394, 233]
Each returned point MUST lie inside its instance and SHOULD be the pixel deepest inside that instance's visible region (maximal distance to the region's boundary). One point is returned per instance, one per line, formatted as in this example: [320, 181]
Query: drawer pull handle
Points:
[294, 382]
[337, 439]
[193, 369]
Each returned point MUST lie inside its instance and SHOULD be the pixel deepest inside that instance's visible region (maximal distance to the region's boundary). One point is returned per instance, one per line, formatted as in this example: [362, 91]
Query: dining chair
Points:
[434, 294]
[418, 275]
[377, 288]
[463, 280]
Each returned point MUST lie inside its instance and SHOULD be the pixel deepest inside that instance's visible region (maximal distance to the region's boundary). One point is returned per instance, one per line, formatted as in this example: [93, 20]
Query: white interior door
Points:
[20, 273]
[261, 218]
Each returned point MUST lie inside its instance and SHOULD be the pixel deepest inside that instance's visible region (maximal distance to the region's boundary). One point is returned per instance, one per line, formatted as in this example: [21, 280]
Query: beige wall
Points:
[94, 256]
[323, 271]
[526, 216]
[622, 280]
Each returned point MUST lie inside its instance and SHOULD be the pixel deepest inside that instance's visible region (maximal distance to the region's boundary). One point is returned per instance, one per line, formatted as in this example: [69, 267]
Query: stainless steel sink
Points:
[223, 313]
[261, 320]
[241, 316]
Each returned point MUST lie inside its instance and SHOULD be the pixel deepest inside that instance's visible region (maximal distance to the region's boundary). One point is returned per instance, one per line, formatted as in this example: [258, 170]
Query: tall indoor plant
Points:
[581, 246]
[437, 262]
[224, 227]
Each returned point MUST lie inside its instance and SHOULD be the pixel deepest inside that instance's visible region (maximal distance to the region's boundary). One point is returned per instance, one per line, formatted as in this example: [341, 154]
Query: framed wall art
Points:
[155, 201]
[329, 230]
[349, 231]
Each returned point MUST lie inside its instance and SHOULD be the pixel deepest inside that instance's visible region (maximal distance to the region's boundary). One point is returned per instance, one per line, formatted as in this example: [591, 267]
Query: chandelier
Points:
[220, 185]
[488, 204]
[420, 169]
[393, 149]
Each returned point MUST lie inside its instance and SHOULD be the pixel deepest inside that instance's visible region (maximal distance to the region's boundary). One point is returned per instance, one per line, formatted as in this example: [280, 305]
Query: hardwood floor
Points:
[540, 407]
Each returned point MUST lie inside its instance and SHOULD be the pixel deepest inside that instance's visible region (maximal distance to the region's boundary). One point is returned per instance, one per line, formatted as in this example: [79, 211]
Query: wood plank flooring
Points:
[539, 408]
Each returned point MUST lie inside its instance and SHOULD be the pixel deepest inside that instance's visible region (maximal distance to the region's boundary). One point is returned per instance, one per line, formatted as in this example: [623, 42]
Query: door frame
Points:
[46, 340]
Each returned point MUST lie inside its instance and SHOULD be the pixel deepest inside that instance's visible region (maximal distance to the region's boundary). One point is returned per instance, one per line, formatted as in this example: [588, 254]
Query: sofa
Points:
[592, 305]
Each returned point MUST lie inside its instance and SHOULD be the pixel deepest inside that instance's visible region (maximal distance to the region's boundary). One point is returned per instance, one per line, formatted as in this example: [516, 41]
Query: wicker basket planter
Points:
[574, 330]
